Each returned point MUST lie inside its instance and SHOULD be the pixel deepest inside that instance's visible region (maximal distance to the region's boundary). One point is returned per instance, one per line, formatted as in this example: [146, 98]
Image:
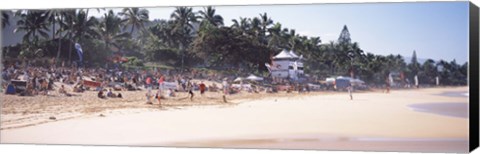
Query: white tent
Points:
[283, 55]
[293, 54]
[254, 78]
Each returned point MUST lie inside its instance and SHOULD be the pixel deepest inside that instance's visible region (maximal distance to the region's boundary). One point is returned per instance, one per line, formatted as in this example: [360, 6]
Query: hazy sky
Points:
[437, 30]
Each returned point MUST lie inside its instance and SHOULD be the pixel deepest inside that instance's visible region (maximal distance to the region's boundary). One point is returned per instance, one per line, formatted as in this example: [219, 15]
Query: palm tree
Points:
[275, 38]
[84, 27]
[210, 17]
[5, 19]
[241, 25]
[33, 23]
[265, 22]
[135, 17]
[109, 30]
[183, 19]
[67, 20]
[52, 16]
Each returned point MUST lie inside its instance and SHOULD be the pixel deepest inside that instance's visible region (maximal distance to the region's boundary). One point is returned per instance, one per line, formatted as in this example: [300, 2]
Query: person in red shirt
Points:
[202, 88]
[148, 81]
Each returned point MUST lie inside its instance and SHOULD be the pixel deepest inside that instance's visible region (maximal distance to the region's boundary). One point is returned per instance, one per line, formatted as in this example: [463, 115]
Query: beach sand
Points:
[372, 121]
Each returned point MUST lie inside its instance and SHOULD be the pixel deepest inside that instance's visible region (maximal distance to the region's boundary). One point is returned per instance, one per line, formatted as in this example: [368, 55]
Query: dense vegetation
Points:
[192, 39]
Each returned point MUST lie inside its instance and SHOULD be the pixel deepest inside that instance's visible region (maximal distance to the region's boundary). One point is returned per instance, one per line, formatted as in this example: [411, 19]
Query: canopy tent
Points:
[284, 54]
[254, 78]
[293, 54]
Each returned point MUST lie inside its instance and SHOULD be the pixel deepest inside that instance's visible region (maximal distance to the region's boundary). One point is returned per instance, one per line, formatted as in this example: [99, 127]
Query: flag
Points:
[79, 51]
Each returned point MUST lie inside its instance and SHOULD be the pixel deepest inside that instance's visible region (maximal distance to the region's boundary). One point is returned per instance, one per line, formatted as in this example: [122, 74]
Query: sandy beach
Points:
[404, 120]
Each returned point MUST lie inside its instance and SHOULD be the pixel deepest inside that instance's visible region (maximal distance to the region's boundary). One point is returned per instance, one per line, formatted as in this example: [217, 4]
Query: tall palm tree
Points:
[5, 19]
[109, 30]
[135, 17]
[209, 16]
[33, 23]
[84, 27]
[275, 38]
[241, 25]
[67, 20]
[183, 19]
[53, 18]
[265, 22]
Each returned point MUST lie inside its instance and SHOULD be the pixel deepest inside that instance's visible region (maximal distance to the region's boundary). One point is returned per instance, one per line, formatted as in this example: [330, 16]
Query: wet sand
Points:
[307, 121]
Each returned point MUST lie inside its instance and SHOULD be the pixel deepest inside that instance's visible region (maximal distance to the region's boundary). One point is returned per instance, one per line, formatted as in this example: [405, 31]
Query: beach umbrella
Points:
[238, 79]
[254, 78]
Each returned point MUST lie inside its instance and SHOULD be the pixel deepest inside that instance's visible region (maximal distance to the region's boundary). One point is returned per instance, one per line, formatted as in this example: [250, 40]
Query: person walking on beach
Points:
[350, 90]
[190, 90]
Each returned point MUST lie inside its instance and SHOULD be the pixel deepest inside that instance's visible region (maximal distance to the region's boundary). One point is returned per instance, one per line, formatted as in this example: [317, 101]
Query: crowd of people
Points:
[42, 80]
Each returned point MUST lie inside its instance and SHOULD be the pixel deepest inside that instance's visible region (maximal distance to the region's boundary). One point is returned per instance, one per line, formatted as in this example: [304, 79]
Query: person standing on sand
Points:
[350, 90]
[148, 82]
[190, 89]
[416, 81]
[159, 96]
[225, 90]
[202, 88]
[387, 85]
[148, 95]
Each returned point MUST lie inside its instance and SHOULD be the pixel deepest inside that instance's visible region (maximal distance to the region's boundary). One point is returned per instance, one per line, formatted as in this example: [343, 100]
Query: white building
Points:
[286, 65]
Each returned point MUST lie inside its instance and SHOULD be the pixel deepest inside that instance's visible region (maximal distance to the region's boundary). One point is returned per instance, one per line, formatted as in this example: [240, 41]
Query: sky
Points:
[435, 30]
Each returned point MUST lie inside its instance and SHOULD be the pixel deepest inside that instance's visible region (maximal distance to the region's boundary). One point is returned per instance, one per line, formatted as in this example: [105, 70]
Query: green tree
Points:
[110, 32]
[33, 23]
[5, 19]
[135, 18]
[183, 19]
[209, 17]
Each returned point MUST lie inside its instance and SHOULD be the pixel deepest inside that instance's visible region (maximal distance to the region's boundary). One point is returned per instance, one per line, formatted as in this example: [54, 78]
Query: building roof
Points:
[286, 55]
[293, 54]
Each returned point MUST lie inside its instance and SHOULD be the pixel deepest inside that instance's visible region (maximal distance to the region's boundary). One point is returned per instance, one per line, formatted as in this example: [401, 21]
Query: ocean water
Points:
[455, 94]
[458, 110]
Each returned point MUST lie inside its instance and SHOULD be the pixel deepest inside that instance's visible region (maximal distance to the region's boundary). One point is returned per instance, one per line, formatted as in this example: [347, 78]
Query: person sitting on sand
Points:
[44, 87]
[170, 93]
[110, 93]
[100, 94]
[63, 91]
[119, 95]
